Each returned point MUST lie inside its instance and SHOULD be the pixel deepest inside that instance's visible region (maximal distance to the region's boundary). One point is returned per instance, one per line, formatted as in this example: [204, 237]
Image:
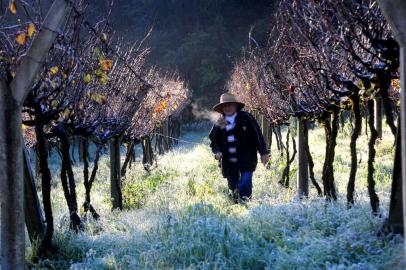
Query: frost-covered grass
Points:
[179, 217]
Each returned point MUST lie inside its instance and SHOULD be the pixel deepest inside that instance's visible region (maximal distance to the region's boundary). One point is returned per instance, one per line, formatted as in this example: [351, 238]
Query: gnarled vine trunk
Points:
[311, 164]
[42, 151]
[67, 179]
[285, 174]
[374, 200]
[353, 146]
[32, 206]
[88, 182]
[331, 131]
[115, 174]
[129, 156]
[148, 153]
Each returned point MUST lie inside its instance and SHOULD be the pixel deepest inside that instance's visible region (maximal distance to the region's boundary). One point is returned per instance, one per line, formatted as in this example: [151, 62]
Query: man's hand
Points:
[218, 156]
[265, 159]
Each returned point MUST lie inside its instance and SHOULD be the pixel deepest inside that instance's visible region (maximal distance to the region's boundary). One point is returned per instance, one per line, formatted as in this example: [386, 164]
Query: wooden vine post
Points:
[395, 12]
[378, 116]
[32, 207]
[302, 161]
[12, 96]
[115, 174]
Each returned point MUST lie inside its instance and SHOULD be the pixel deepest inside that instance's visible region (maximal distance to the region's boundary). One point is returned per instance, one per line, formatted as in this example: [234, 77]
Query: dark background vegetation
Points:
[199, 38]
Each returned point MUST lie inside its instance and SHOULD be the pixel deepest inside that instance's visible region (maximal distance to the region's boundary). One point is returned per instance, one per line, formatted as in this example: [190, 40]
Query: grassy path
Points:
[180, 218]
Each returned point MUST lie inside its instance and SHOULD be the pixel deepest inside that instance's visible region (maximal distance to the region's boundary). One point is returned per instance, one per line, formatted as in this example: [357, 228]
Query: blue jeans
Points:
[242, 181]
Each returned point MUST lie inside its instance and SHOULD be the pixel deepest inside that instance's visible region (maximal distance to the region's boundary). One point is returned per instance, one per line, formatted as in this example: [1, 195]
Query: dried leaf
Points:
[21, 38]
[103, 78]
[161, 106]
[248, 86]
[31, 30]
[66, 113]
[396, 84]
[106, 64]
[87, 78]
[99, 98]
[13, 7]
[54, 103]
[54, 70]
[105, 37]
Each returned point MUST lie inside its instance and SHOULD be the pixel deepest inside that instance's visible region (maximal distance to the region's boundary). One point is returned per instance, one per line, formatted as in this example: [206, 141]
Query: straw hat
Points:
[227, 98]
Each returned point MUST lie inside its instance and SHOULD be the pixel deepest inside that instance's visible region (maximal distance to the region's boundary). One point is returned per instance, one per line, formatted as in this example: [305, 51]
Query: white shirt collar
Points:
[231, 118]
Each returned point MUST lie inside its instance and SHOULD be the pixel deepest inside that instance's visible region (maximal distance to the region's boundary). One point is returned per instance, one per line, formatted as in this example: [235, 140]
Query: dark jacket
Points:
[249, 141]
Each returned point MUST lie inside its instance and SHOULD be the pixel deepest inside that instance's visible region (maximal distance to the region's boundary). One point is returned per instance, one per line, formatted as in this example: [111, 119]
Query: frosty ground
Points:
[179, 217]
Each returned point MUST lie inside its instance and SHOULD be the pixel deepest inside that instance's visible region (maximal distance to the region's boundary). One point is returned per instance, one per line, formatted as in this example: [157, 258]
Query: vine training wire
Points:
[173, 138]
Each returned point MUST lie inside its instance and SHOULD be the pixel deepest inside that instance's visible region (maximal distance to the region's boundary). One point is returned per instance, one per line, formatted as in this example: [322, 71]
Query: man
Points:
[235, 140]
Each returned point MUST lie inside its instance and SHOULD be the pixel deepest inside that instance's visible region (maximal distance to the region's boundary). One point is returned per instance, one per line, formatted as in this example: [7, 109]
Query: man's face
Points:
[229, 108]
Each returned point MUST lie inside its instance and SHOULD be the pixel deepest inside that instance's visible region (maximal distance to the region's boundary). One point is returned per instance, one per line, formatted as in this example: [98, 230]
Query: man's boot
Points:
[236, 195]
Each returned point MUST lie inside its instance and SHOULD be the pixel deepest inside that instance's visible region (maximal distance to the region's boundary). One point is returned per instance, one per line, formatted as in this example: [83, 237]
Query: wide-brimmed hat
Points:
[227, 98]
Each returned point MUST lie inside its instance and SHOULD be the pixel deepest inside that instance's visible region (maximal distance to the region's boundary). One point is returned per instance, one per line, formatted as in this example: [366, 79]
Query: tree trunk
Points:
[311, 170]
[371, 158]
[331, 130]
[278, 136]
[353, 146]
[11, 182]
[302, 162]
[42, 151]
[147, 153]
[128, 157]
[87, 206]
[68, 180]
[115, 176]
[384, 83]
[285, 174]
[264, 125]
[395, 12]
[289, 160]
[32, 207]
[395, 219]
[378, 116]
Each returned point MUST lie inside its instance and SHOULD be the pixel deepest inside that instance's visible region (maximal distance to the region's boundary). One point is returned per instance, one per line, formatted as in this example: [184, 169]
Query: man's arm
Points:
[215, 148]
[259, 138]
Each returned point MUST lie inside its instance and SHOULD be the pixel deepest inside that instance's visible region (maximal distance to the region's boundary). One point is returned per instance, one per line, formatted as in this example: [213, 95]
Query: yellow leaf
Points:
[103, 100]
[103, 78]
[31, 30]
[54, 70]
[54, 103]
[13, 7]
[64, 75]
[66, 113]
[106, 64]
[105, 37]
[24, 127]
[247, 86]
[21, 38]
[396, 84]
[87, 78]
[99, 98]
[161, 106]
